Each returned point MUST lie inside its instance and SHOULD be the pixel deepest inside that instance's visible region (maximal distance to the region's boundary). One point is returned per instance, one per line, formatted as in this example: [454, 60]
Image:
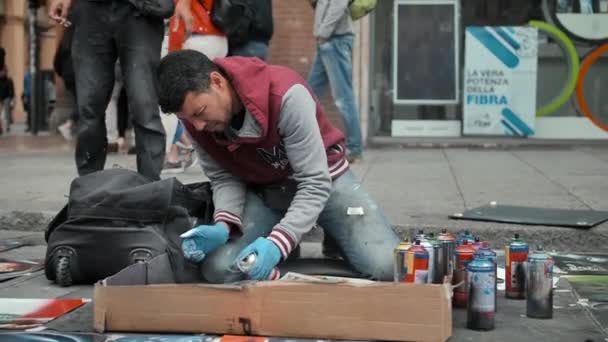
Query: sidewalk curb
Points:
[483, 143]
[498, 234]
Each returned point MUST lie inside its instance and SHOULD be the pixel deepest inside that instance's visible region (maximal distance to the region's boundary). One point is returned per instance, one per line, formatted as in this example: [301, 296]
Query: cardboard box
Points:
[142, 298]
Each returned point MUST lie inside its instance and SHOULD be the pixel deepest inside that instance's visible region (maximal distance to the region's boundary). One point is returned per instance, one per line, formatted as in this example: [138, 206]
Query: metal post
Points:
[33, 66]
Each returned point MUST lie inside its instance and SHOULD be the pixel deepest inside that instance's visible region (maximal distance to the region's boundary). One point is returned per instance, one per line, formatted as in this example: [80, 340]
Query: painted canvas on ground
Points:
[8, 244]
[17, 313]
[162, 338]
[581, 264]
[593, 295]
[48, 337]
[10, 269]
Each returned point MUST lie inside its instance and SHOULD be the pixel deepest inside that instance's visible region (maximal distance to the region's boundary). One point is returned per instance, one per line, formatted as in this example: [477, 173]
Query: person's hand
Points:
[58, 11]
[183, 13]
[267, 254]
[202, 240]
[321, 41]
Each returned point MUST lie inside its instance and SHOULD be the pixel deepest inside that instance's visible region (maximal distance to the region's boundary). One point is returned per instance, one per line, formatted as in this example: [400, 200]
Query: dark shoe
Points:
[353, 158]
[112, 147]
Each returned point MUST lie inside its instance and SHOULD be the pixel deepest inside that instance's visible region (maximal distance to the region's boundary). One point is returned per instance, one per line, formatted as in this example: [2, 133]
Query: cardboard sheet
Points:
[141, 298]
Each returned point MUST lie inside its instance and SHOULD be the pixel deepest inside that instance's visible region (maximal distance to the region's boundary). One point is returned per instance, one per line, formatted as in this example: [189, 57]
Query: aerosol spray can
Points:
[448, 243]
[417, 264]
[481, 307]
[465, 236]
[486, 252]
[244, 265]
[539, 301]
[400, 259]
[424, 242]
[477, 243]
[463, 254]
[516, 257]
[436, 276]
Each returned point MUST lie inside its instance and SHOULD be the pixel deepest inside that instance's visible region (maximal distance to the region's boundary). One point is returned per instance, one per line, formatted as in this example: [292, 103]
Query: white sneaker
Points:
[66, 130]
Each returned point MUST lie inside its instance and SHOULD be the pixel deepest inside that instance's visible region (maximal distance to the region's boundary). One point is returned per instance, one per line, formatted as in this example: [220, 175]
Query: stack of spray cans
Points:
[427, 260]
[471, 264]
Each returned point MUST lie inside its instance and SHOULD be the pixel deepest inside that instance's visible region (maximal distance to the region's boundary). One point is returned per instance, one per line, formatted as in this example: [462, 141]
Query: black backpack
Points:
[117, 217]
[234, 18]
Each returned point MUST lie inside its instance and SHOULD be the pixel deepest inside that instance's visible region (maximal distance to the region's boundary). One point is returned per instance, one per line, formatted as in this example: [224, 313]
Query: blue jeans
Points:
[251, 49]
[366, 241]
[333, 66]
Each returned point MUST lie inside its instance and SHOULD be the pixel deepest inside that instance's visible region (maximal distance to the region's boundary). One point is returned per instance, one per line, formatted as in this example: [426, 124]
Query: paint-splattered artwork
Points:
[593, 295]
[581, 264]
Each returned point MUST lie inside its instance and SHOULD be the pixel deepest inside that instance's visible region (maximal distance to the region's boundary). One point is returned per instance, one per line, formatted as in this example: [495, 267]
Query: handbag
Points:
[233, 17]
[155, 8]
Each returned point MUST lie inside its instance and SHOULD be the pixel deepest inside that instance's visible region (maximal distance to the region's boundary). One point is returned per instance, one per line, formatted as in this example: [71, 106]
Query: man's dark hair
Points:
[181, 72]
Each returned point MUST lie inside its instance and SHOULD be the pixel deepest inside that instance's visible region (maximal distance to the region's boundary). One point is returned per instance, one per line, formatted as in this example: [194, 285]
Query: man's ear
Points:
[216, 79]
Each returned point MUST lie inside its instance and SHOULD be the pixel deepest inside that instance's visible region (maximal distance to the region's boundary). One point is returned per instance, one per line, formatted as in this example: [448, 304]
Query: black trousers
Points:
[103, 32]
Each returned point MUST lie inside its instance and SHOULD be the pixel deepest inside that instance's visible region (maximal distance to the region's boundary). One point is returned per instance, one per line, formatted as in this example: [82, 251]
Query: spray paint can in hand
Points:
[400, 260]
[481, 307]
[486, 252]
[244, 265]
[417, 264]
[516, 259]
[448, 243]
[539, 301]
[436, 270]
[463, 254]
[465, 236]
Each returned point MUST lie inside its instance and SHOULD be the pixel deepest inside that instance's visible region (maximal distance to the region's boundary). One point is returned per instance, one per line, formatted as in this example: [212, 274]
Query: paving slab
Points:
[500, 176]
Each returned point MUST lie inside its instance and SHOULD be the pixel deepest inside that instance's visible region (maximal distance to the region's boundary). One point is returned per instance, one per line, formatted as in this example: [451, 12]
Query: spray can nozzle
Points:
[244, 265]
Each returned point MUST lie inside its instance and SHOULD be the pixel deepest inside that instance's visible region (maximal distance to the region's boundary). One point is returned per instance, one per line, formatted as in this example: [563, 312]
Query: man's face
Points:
[210, 110]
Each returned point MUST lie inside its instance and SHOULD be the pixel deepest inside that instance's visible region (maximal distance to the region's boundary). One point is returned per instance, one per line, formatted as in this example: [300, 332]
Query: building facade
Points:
[409, 61]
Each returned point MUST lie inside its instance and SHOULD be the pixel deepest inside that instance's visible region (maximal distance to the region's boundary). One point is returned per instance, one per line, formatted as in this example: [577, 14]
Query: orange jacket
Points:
[201, 23]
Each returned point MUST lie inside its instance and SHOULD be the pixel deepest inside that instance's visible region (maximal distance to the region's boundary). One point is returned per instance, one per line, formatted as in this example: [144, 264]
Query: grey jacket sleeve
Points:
[331, 14]
[228, 191]
[305, 150]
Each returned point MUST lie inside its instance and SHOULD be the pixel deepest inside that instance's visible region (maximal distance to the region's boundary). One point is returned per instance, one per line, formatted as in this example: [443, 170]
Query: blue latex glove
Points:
[268, 256]
[202, 240]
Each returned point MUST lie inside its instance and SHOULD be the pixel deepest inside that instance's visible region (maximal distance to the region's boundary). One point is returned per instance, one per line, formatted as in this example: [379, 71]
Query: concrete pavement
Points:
[416, 187]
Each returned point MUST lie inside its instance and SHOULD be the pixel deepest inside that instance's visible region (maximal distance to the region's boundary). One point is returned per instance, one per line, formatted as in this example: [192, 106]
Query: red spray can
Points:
[516, 264]
[417, 264]
[463, 254]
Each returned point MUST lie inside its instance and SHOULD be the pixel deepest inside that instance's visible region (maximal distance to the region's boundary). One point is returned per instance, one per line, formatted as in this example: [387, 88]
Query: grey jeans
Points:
[103, 32]
[367, 241]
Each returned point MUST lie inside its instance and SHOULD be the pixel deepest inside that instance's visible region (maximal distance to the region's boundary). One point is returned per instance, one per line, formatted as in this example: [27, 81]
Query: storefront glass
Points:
[417, 62]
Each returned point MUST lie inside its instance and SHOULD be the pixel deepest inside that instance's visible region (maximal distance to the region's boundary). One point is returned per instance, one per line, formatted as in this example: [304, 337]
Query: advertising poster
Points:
[500, 80]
